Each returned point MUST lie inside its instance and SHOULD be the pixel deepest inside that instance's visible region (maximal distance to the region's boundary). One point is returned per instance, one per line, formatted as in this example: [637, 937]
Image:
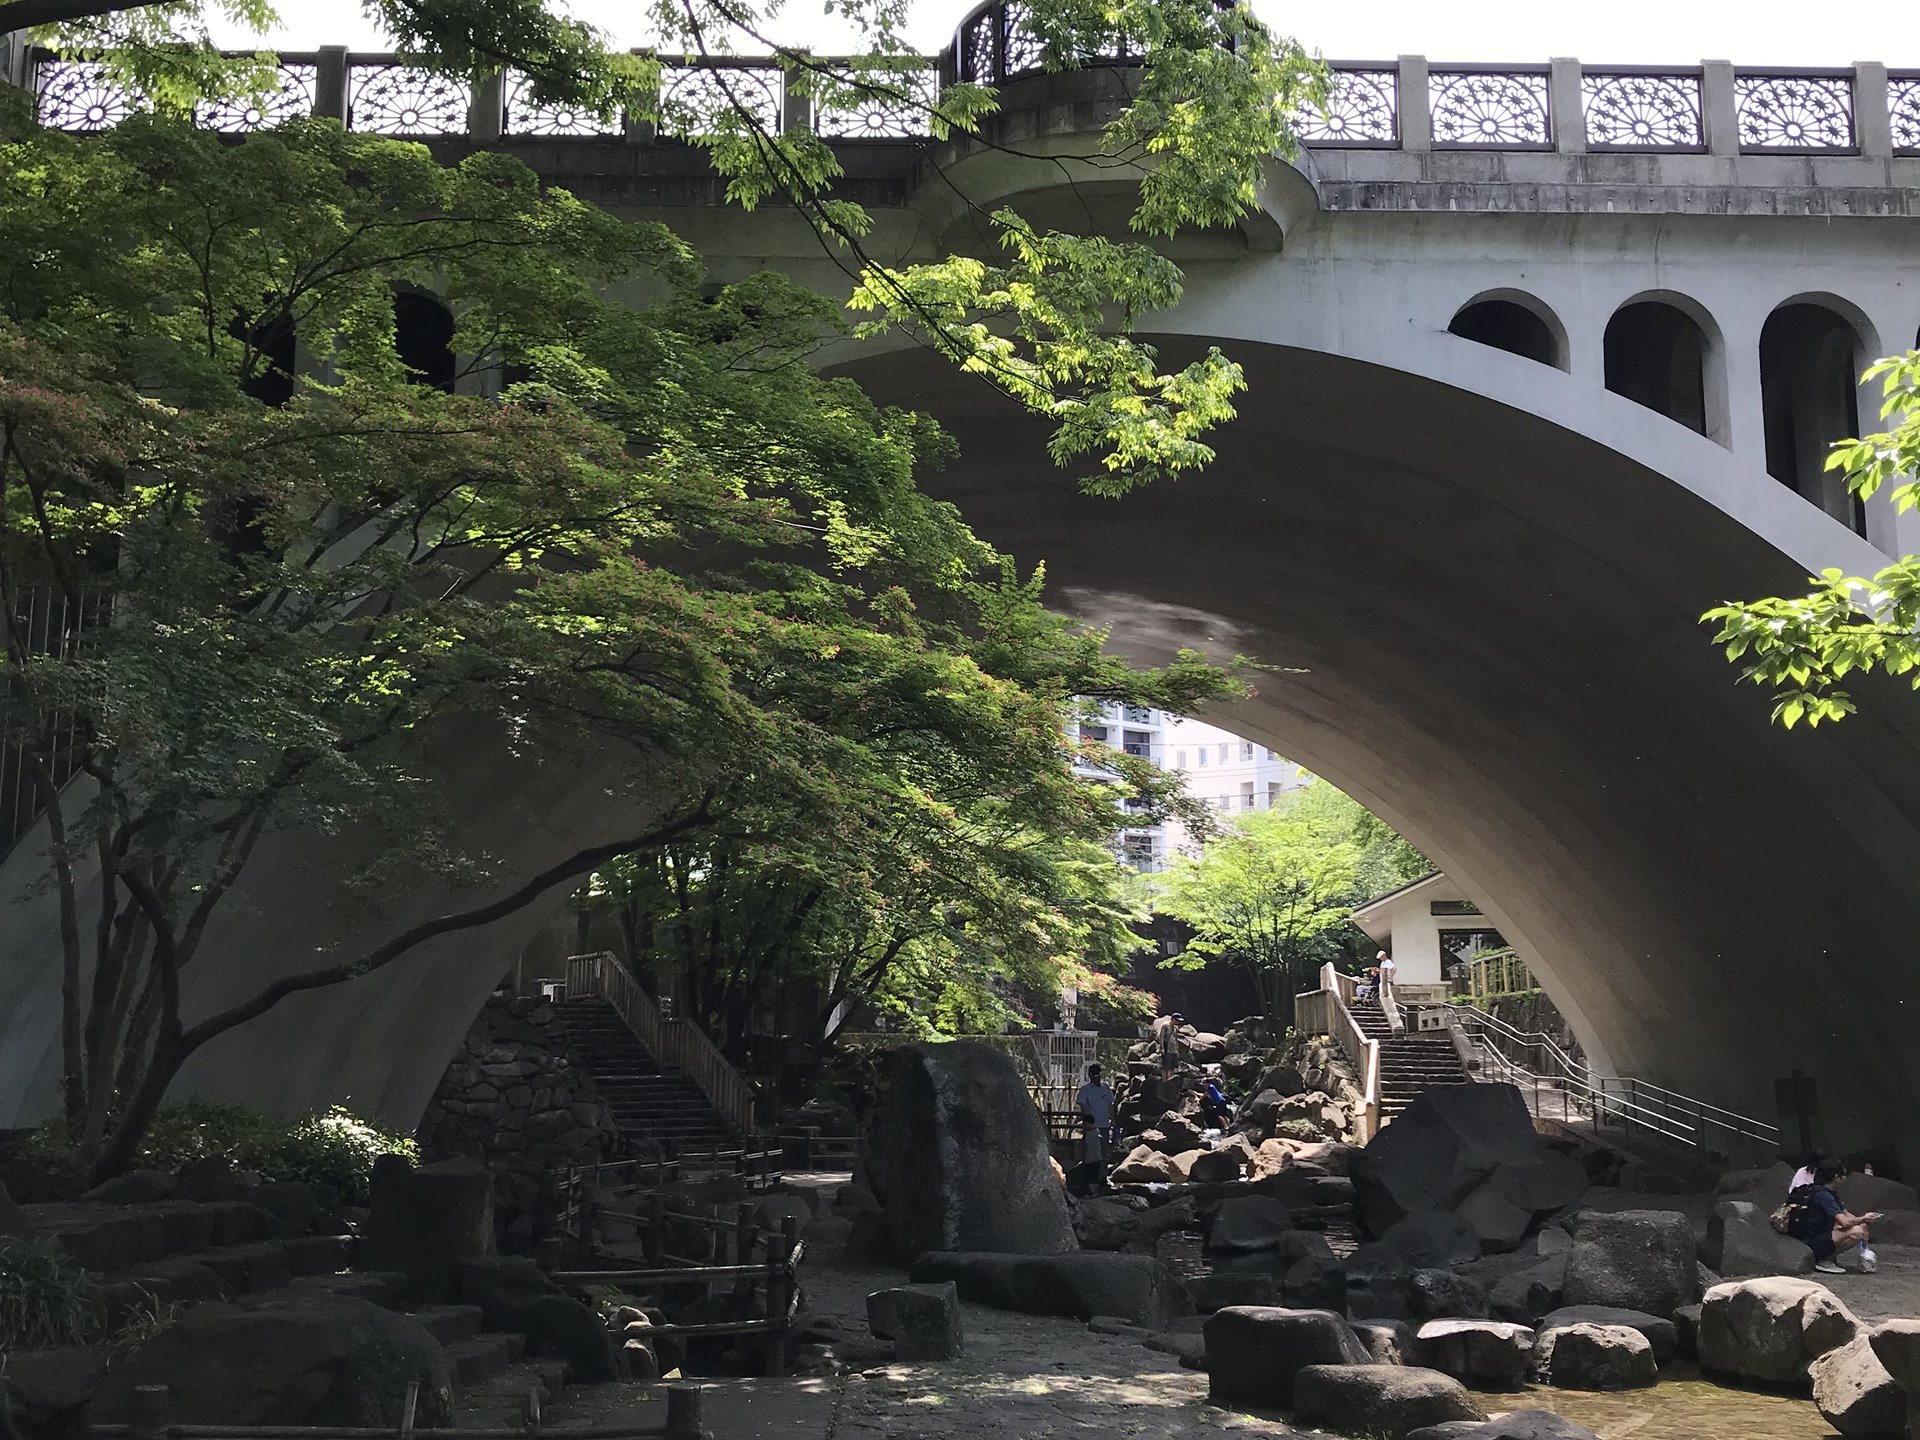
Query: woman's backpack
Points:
[1792, 1216]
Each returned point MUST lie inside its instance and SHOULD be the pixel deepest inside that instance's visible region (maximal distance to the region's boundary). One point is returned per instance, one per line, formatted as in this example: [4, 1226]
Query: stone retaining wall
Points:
[516, 1099]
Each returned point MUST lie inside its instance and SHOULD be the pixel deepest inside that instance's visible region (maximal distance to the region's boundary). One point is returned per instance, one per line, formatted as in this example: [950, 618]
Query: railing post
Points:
[685, 1413]
[1416, 105]
[150, 1418]
[796, 106]
[1569, 119]
[330, 83]
[639, 129]
[1719, 110]
[1872, 116]
[487, 107]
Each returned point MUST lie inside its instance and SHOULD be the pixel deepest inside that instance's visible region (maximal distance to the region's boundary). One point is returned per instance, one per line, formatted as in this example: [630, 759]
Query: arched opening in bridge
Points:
[1520, 326]
[1810, 362]
[423, 338]
[1656, 356]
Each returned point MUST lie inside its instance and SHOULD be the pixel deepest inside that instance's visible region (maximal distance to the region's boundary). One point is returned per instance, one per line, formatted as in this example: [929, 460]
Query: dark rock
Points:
[1442, 1148]
[1583, 1356]
[1442, 1294]
[1635, 1260]
[1377, 1281]
[1177, 1134]
[1686, 1327]
[923, 1321]
[321, 1360]
[958, 1156]
[47, 1391]
[429, 1223]
[1380, 1400]
[1526, 1295]
[1772, 1329]
[1316, 1282]
[292, 1204]
[1215, 1167]
[1283, 1080]
[1741, 1241]
[1487, 1354]
[1138, 1288]
[1248, 1222]
[1214, 1292]
[136, 1187]
[210, 1177]
[504, 1289]
[1254, 1352]
[1390, 1342]
[1433, 1239]
[560, 1327]
[1452, 1430]
[1662, 1336]
[1854, 1392]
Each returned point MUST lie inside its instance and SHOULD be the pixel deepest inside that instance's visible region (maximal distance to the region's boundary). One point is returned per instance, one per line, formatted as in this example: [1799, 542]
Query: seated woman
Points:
[1825, 1225]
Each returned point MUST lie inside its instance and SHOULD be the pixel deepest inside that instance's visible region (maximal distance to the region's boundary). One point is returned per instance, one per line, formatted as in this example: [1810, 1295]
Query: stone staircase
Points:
[645, 1101]
[147, 1256]
[1410, 1063]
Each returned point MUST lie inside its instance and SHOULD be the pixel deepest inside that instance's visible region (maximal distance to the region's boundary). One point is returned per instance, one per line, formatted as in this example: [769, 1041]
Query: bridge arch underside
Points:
[1496, 621]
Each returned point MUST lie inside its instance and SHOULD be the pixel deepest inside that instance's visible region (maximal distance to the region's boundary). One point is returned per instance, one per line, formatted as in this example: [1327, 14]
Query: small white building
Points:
[1426, 925]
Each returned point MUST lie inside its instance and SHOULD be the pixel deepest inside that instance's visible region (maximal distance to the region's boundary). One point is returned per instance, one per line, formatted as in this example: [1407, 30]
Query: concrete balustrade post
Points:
[1568, 106]
[638, 129]
[330, 83]
[1416, 104]
[1872, 114]
[796, 105]
[487, 107]
[1719, 111]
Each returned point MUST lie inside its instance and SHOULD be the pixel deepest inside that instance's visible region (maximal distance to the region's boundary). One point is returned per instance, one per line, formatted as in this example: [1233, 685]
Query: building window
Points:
[1453, 907]
[1138, 742]
[1223, 754]
[1139, 715]
[1246, 750]
[1203, 758]
[1093, 734]
[1179, 759]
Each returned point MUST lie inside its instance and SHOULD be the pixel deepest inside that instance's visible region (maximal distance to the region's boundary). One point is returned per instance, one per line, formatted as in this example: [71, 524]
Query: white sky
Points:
[1754, 32]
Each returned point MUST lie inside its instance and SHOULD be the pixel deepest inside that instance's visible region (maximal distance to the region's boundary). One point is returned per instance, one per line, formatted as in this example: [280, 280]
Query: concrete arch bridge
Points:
[1543, 361]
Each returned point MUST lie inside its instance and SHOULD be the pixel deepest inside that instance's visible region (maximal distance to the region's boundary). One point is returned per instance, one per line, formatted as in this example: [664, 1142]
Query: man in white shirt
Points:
[1096, 1116]
[1387, 967]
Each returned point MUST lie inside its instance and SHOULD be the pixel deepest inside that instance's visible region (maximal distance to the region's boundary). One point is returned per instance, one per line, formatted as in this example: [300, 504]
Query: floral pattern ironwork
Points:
[291, 99]
[896, 108]
[405, 100]
[1022, 50]
[1656, 112]
[691, 99]
[1490, 107]
[1795, 112]
[524, 116]
[1363, 109]
[77, 95]
[1903, 106]
[976, 59]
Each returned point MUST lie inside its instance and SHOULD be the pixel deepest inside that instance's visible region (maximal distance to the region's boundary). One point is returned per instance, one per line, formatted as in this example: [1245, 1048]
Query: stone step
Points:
[478, 1359]
[449, 1324]
[110, 1238]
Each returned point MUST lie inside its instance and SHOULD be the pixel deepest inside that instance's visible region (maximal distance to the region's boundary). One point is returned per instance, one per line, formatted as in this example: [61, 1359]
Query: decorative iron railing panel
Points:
[693, 98]
[1504, 109]
[1794, 111]
[77, 95]
[524, 116]
[1642, 110]
[1363, 109]
[397, 99]
[891, 107]
[291, 99]
[1903, 109]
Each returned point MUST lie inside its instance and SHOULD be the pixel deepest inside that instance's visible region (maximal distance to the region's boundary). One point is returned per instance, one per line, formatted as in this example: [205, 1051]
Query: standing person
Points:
[1096, 1117]
[1386, 967]
[1824, 1224]
[1166, 1034]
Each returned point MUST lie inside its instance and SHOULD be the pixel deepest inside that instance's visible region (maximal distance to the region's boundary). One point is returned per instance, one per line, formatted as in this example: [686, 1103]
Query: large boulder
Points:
[1470, 1150]
[428, 1222]
[1254, 1352]
[1446, 1294]
[957, 1154]
[1316, 1282]
[1662, 1336]
[1110, 1223]
[47, 1392]
[505, 1289]
[1634, 1260]
[1863, 1193]
[1209, 1293]
[1248, 1222]
[1137, 1288]
[1487, 1354]
[1524, 1296]
[1378, 1283]
[1145, 1165]
[1854, 1392]
[1771, 1329]
[559, 1327]
[1173, 1133]
[1741, 1241]
[1392, 1401]
[1390, 1342]
[324, 1360]
[1433, 1239]
[1766, 1186]
[1896, 1345]
[1214, 1167]
[1583, 1356]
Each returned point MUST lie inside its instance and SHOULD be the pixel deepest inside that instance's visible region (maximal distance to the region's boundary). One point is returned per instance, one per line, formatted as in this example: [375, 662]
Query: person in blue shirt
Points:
[1096, 1116]
[1825, 1225]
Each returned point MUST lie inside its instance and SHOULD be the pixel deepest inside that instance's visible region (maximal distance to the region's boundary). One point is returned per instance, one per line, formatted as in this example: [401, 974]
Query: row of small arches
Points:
[1665, 354]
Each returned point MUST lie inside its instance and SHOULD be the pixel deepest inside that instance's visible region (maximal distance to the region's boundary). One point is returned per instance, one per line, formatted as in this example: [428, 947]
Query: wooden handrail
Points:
[678, 1044]
[1324, 1012]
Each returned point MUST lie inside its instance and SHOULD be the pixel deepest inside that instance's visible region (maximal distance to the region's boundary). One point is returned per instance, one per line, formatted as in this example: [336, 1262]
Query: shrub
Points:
[46, 1299]
[332, 1150]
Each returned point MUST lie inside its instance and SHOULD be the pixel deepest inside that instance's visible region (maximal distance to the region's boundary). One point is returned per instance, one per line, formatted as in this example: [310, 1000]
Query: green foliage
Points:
[333, 1149]
[1803, 647]
[46, 1299]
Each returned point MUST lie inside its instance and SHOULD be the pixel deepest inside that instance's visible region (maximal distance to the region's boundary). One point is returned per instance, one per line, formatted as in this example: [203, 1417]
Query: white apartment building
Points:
[1222, 769]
